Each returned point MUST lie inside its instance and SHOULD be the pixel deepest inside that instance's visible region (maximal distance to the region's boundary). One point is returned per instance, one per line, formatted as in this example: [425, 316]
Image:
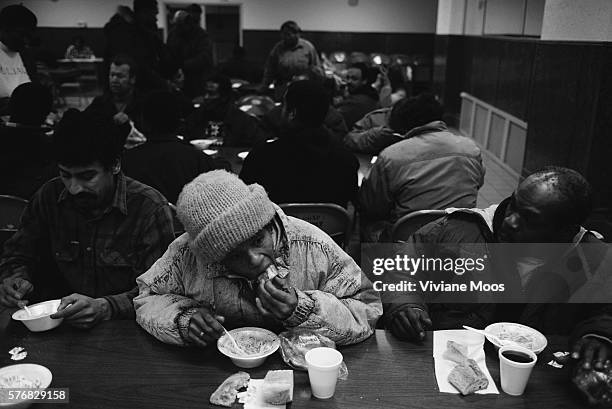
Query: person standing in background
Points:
[290, 56]
[17, 25]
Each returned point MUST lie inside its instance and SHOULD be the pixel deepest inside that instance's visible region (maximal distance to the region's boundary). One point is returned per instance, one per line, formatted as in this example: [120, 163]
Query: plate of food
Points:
[520, 334]
[23, 376]
[255, 345]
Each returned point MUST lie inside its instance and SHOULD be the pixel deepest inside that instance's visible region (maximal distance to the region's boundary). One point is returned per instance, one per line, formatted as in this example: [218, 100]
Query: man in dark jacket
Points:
[190, 47]
[557, 275]
[122, 104]
[25, 162]
[164, 162]
[217, 117]
[305, 165]
[361, 98]
[134, 33]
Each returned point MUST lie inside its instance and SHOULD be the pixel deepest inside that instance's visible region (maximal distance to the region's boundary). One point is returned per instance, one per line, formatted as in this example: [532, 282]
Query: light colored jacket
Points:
[334, 296]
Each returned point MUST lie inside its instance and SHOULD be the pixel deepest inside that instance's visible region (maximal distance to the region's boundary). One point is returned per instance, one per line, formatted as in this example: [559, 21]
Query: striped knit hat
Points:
[219, 211]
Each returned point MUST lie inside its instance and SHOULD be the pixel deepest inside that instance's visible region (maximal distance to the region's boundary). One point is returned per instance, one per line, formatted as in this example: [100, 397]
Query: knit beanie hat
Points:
[219, 211]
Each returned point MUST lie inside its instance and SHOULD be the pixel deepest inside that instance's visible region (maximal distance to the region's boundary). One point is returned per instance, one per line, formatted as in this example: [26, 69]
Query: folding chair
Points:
[11, 208]
[329, 217]
[406, 225]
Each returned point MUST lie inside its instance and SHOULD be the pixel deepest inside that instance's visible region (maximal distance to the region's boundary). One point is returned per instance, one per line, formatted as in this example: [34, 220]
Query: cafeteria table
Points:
[119, 365]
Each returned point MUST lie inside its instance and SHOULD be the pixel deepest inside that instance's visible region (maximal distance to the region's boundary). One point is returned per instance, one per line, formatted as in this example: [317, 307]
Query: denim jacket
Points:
[334, 296]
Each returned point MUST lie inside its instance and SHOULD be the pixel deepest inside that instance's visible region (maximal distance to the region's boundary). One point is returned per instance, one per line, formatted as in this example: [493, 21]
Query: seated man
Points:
[164, 162]
[361, 97]
[217, 272]
[565, 291]
[431, 168]
[121, 104]
[305, 164]
[216, 116]
[87, 234]
[25, 162]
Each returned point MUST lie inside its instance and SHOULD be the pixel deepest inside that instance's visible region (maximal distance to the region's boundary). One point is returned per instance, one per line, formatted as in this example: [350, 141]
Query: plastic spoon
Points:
[27, 310]
[501, 342]
[234, 341]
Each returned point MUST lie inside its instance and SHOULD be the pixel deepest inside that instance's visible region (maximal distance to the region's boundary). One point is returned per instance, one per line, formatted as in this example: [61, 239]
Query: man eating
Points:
[218, 272]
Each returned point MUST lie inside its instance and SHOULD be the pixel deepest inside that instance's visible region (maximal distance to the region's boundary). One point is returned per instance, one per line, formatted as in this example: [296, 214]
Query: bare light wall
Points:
[384, 16]
[571, 20]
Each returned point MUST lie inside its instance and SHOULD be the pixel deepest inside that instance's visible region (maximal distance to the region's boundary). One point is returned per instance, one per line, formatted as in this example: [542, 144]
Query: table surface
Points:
[119, 365]
[80, 60]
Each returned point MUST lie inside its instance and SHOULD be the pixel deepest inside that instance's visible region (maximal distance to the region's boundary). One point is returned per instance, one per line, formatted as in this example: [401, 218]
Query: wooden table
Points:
[119, 365]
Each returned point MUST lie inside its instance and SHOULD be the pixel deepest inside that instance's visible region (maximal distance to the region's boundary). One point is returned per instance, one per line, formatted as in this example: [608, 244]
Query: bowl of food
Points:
[37, 317]
[520, 334]
[203, 143]
[254, 346]
[22, 376]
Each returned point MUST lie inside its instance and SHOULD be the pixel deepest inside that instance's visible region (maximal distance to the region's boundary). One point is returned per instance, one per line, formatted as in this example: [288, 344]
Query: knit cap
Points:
[219, 211]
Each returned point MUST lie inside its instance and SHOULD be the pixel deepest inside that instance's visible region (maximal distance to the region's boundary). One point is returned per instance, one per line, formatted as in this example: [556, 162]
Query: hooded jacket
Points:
[304, 165]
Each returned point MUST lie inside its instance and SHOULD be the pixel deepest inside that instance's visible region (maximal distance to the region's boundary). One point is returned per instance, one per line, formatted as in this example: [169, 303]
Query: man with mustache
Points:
[87, 234]
[122, 103]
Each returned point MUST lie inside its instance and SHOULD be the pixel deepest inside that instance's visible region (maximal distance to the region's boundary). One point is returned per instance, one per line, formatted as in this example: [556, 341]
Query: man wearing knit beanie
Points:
[243, 262]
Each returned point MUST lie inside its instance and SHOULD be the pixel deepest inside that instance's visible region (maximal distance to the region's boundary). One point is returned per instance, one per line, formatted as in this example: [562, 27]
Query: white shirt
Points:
[12, 71]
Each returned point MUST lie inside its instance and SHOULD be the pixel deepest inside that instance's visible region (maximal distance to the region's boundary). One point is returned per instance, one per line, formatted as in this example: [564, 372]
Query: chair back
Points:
[11, 208]
[329, 217]
[178, 226]
[406, 225]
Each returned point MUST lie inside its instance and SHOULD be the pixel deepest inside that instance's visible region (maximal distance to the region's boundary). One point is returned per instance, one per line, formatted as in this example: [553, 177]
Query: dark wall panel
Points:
[258, 43]
[514, 79]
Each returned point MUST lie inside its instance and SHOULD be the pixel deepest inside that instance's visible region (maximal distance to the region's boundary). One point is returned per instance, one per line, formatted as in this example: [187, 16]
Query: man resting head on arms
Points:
[215, 273]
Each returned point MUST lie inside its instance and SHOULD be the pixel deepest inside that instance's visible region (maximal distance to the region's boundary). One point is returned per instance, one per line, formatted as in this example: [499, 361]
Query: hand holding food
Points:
[410, 323]
[82, 311]
[205, 328]
[276, 298]
[12, 291]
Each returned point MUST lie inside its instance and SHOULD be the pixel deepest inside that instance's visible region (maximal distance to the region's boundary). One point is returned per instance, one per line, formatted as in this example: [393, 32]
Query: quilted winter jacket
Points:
[334, 296]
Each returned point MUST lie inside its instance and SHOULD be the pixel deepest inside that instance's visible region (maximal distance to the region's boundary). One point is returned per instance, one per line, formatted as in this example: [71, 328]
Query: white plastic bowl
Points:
[202, 143]
[538, 340]
[30, 371]
[40, 319]
[251, 361]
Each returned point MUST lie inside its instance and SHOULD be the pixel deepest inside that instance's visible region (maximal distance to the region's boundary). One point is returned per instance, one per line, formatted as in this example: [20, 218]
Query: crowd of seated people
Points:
[98, 231]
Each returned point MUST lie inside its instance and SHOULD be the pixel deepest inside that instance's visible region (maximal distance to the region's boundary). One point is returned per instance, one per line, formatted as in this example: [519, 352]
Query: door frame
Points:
[163, 17]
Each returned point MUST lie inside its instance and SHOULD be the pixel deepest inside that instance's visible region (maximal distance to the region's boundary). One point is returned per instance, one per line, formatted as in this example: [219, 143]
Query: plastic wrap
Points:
[295, 343]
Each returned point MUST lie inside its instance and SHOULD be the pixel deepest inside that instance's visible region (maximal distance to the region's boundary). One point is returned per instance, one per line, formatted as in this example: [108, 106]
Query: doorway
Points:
[222, 23]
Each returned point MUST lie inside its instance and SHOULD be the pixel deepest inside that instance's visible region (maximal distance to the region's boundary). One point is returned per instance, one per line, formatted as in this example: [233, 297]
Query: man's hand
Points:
[410, 323]
[275, 298]
[591, 352]
[205, 328]
[82, 311]
[120, 118]
[12, 291]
